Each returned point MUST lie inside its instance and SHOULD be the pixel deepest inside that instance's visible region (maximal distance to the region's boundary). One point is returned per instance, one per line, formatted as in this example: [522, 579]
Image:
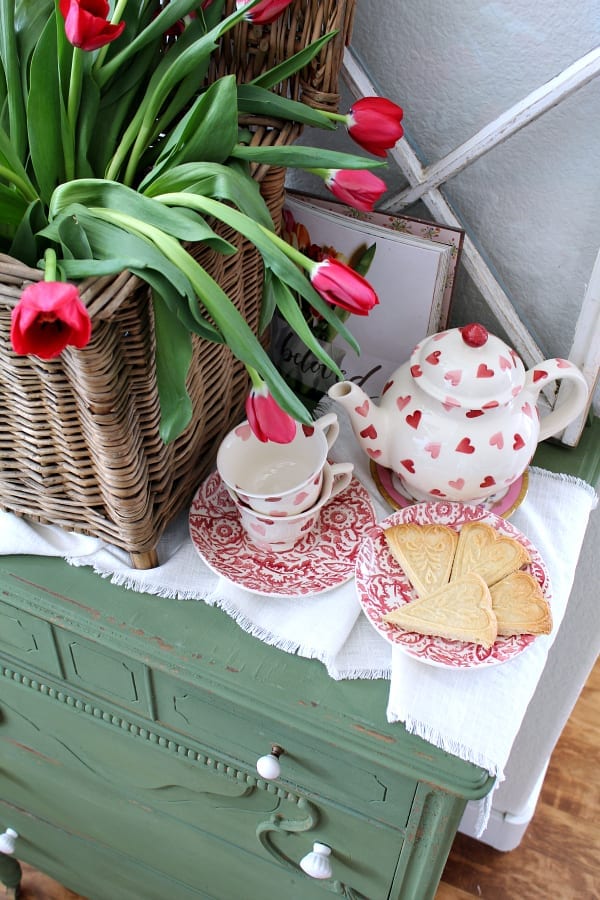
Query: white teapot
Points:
[459, 420]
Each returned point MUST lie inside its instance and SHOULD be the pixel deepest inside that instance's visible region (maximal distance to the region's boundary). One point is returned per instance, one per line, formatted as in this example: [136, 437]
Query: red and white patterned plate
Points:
[390, 487]
[319, 562]
[382, 585]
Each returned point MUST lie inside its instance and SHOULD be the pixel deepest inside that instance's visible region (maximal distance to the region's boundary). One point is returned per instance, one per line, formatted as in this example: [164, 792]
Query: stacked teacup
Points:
[279, 490]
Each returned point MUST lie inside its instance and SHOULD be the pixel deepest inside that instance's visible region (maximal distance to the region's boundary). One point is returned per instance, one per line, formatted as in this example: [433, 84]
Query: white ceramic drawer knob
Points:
[269, 767]
[7, 841]
[317, 863]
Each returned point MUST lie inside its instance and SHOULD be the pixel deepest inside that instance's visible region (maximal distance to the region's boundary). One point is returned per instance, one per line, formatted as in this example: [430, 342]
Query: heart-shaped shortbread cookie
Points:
[460, 611]
[520, 605]
[425, 552]
[483, 550]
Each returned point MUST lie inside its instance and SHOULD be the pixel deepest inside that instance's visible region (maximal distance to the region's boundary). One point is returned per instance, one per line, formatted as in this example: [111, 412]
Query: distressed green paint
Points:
[582, 461]
[130, 729]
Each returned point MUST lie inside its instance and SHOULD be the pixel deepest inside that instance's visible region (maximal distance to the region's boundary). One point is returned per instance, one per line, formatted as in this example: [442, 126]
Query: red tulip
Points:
[360, 189]
[339, 284]
[87, 25]
[268, 421]
[264, 12]
[374, 123]
[49, 317]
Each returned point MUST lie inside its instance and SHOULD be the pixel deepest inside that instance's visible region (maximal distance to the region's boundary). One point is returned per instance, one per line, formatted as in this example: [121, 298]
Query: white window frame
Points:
[425, 182]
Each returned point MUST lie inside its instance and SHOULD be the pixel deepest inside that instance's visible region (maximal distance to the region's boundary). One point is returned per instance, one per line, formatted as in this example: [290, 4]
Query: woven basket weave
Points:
[80, 446]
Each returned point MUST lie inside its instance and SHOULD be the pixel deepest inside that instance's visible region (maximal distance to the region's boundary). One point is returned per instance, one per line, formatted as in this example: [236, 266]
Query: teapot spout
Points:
[369, 421]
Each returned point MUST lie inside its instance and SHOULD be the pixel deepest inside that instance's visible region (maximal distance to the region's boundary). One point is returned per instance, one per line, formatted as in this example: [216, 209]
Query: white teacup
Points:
[278, 533]
[278, 479]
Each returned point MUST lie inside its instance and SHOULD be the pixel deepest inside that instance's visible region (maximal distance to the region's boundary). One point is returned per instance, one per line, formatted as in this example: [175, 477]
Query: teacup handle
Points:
[330, 427]
[570, 405]
[342, 476]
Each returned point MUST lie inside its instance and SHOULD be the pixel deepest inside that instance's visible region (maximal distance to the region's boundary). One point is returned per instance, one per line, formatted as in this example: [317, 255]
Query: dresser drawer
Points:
[309, 763]
[28, 638]
[199, 820]
[94, 669]
[91, 869]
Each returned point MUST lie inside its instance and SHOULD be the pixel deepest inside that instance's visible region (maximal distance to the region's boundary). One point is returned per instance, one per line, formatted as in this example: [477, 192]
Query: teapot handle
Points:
[571, 404]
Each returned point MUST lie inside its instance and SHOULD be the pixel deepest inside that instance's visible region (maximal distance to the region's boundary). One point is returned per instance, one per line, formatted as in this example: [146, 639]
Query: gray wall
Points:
[532, 204]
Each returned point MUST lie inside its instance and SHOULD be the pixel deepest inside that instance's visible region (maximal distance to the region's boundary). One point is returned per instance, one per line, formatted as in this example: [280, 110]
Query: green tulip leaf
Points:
[363, 263]
[97, 192]
[168, 16]
[12, 170]
[44, 110]
[173, 357]
[291, 312]
[274, 257]
[118, 103]
[293, 64]
[208, 131]
[75, 241]
[255, 100]
[236, 332]
[26, 243]
[269, 301]
[216, 181]
[305, 157]
[88, 115]
[13, 78]
[13, 206]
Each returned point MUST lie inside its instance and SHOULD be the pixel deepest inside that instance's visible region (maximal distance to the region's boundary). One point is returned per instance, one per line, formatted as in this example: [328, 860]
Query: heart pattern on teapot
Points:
[414, 418]
[369, 432]
[458, 419]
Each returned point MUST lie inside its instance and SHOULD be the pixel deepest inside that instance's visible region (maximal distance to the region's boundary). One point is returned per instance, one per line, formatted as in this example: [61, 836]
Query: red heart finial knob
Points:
[474, 335]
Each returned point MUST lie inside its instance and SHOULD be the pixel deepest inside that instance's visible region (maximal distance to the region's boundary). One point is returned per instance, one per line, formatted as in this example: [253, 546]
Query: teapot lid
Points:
[468, 367]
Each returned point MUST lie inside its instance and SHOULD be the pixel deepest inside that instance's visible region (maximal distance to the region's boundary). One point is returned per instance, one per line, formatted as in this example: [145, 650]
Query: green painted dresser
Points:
[130, 729]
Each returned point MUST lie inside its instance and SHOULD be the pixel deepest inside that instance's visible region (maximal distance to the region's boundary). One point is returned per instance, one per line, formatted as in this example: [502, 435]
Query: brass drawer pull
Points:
[269, 767]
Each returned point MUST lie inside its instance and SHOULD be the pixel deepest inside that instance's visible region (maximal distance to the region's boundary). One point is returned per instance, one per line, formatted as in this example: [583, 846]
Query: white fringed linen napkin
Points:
[474, 714]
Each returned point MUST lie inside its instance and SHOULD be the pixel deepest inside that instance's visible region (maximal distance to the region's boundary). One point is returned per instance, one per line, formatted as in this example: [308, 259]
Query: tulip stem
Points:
[50, 264]
[73, 109]
[114, 20]
[75, 86]
[255, 378]
[336, 117]
[291, 252]
[23, 186]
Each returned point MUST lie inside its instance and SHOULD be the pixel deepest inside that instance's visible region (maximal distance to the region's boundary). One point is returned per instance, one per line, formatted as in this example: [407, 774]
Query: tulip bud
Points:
[265, 12]
[340, 285]
[87, 25]
[268, 421]
[374, 123]
[358, 188]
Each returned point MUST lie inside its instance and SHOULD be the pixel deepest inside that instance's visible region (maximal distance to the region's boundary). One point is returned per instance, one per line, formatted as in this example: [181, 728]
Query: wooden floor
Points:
[559, 856]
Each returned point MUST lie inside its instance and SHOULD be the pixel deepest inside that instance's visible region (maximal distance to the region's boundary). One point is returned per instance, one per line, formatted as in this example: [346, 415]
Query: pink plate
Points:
[390, 487]
[382, 585]
[319, 562]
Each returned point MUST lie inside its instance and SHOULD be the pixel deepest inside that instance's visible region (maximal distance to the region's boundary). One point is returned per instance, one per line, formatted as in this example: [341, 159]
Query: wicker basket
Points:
[79, 434]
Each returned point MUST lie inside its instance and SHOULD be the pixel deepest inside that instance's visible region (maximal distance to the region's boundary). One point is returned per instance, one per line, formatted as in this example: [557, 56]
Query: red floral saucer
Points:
[321, 561]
